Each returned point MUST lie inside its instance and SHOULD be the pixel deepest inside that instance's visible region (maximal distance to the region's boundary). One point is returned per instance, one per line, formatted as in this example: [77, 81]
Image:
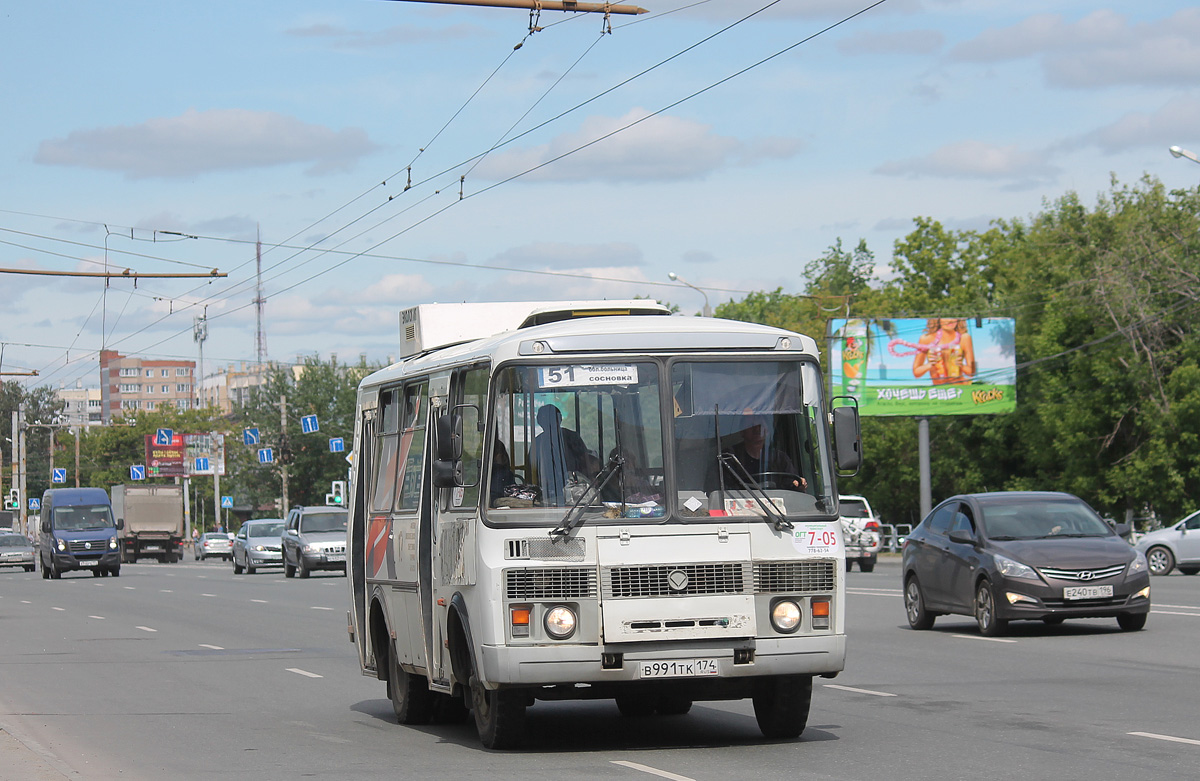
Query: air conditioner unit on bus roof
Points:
[428, 326]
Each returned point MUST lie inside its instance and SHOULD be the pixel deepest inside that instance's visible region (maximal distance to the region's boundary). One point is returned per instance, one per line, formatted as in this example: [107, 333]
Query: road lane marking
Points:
[316, 607]
[165, 591]
[1171, 738]
[211, 647]
[651, 770]
[1174, 613]
[981, 637]
[1181, 607]
[306, 673]
[98, 618]
[208, 595]
[259, 601]
[856, 691]
[26, 602]
[130, 588]
[146, 629]
[59, 609]
[876, 592]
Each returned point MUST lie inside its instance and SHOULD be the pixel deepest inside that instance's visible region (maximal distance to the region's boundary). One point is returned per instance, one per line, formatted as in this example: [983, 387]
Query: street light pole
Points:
[1177, 151]
[676, 278]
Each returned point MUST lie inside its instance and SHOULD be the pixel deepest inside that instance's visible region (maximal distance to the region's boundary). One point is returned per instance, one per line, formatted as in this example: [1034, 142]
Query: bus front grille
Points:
[777, 577]
[550, 583]
[664, 580]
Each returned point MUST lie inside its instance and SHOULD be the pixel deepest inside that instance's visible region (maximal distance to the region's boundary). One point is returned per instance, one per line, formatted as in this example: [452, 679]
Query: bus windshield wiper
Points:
[739, 472]
[615, 464]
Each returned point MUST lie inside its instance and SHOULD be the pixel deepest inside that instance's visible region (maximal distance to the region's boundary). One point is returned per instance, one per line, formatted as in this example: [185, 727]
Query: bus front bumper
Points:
[566, 663]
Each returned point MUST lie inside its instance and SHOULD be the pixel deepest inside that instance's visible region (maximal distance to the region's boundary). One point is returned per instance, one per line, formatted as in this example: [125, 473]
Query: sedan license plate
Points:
[677, 668]
[1087, 592]
[88, 562]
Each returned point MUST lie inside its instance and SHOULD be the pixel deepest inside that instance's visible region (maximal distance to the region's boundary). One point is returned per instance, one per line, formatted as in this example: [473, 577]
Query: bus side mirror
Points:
[445, 437]
[444, 474]
[847, 438]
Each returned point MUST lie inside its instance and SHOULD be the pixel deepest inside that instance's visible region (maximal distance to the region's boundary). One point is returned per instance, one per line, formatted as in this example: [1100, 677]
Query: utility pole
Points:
[199, 334]
[283, 467]
[260, 338]
[22, 465]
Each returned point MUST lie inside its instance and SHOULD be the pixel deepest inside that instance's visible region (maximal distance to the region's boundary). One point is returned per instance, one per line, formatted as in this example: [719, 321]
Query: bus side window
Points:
[386, 444]
[471, 391]
[412, 445]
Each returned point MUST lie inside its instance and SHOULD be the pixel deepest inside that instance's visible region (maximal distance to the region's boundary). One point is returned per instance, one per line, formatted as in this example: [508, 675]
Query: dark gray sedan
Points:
[1031, 555]
[15, 551]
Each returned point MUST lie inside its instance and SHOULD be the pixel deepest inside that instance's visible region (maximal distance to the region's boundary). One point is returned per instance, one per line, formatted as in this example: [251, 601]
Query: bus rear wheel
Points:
[781, 705]
[499, 715]
[412, 702]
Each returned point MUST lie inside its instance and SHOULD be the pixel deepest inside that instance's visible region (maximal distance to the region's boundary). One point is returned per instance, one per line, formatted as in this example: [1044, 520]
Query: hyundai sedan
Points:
[1010, 556]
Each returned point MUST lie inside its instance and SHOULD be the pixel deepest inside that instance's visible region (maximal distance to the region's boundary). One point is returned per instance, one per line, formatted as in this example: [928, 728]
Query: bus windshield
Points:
[743, 438]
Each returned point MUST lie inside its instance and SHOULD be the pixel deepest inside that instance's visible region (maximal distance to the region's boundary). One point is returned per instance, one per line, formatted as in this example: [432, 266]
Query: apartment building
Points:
[131, 383]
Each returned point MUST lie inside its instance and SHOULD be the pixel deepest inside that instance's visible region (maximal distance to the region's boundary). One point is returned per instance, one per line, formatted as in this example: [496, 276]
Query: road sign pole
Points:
[217, 491]
[283, 470]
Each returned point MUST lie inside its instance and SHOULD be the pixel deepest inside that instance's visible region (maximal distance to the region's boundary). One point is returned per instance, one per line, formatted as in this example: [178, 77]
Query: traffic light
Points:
[13, 500]
[339, 492]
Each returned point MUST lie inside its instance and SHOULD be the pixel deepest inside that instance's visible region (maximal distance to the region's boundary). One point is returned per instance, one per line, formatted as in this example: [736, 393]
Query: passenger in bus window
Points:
[502, 474]
[770, 467]
[559, 456]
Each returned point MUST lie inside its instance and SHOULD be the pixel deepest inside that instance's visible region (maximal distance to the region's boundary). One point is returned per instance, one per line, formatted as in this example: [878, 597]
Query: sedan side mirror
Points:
[962, 537]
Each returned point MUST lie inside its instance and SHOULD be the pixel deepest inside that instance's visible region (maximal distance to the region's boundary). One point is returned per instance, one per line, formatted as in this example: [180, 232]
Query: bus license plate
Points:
[1087, 592]
[677, 668]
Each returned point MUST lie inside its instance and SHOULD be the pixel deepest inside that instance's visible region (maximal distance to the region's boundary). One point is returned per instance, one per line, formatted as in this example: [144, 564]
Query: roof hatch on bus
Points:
[428, 326]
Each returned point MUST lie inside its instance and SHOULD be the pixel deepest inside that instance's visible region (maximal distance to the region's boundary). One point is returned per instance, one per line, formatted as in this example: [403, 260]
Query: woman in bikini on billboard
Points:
[946, 352]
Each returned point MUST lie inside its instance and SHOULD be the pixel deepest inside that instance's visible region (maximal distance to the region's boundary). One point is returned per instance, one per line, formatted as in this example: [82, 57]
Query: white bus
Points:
[596, 500]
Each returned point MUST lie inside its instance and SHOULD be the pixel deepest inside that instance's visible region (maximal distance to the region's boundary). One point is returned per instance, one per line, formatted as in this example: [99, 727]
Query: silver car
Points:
[314, 538]
[257, 545]
[15, 551]
[212, 544]
[1174, 546]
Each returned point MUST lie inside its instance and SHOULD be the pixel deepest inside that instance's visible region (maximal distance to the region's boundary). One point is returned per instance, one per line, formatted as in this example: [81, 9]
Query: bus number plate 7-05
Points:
[677, 668]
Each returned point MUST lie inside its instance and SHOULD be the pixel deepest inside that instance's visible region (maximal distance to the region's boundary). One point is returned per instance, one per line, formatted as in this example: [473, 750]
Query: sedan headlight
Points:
[260, 548]
[1014, 569]
[560, 622]
[1138, 564]
[308, 549]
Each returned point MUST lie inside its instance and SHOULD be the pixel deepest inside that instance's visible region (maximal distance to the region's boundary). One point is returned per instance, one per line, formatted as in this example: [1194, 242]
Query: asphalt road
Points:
[187, 671]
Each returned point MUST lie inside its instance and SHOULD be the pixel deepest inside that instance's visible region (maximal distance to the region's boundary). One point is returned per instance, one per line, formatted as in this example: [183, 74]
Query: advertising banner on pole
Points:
[205, 454]
[164, 460]
[925, 367]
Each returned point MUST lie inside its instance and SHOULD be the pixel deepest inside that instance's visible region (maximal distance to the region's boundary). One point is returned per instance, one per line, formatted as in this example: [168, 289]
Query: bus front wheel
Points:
[499, 715]
[781, 705]
[412, 701]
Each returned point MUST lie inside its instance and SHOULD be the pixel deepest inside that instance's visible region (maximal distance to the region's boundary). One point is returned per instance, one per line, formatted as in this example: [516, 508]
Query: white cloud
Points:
[653, 148]
[975, 160]
[200, 142]
[1100, 50]
[1177, 121]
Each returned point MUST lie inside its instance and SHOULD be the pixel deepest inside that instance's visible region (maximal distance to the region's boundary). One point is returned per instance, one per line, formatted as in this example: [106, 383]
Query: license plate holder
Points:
[677, 668]
[1087, 592]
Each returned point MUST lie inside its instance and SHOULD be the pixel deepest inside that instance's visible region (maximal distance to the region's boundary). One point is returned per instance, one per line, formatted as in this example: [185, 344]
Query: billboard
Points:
[924, 367]
[163, 460]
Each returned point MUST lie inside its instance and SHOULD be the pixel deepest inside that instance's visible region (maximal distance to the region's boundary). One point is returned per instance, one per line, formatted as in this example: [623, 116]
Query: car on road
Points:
[213, 544]
[1021, 555]
[861, 532]
[1174, 546]
[314, 538]
[257, 544]
[16, 551]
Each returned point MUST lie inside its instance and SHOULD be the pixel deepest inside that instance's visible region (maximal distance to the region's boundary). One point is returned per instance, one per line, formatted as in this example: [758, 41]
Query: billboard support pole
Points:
[923, 458]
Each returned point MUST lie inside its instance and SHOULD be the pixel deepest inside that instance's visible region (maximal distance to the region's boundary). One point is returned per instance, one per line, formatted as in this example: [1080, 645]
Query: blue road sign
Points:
[163, 436]
[137, 472]
[59, 476]
[227, 502]
[35, 503]
[337, 445]
[266, 455]
[308, 424]
[201, 464]
[250, 436]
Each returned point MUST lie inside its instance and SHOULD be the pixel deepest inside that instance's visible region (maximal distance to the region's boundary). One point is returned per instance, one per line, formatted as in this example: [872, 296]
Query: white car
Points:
[1174, 546]
[861, 530]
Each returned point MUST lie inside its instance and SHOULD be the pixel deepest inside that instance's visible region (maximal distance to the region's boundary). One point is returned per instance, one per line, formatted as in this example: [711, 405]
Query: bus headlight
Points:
[560, 622]
[785, 616]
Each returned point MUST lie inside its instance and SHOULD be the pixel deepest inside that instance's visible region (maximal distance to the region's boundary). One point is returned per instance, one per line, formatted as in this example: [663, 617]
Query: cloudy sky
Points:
[393, 153]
